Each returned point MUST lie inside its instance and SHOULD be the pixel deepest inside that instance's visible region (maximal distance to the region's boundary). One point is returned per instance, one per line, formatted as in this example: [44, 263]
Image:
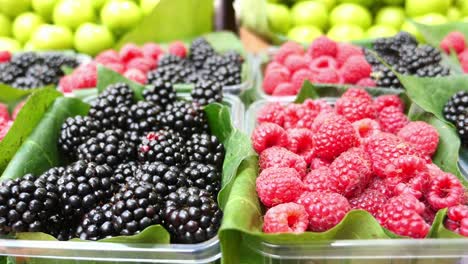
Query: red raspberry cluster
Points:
[456, 41]
[131, 61]
[318, 162]
[325, 61]
[5, 56]
[6, 120]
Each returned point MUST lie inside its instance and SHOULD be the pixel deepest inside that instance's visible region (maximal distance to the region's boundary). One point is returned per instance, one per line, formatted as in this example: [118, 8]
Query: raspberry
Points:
[366, 128]
[434, 171]
[356, 93]
[370, 200]
[5, 56]
[355, 108]
[391, 119]
[272, 113]
[117, 67]
[325, 209]
[4, 114]
[135, 75]
[366, 82]
[4, 129]
[454, 40]
[322, 46]
[108, 56]
[143, 64]
[278, 185]
[268, 135]
[129, 52]
[346, 51]
[457, 219]
[274, 78]
[351, 172]
[318, 180]
[423, 136]
[463, 57]
[295, 62]
[318, 105]
[445, 191]
[278, 157]
[66, 83]
[286, 218]
[151, 50]
[379, 185]
[403, 216]
[299, 77]
[329, 76]
[300, 140]
[274, 66]
[322, 63]
[333, 135]
[354, 69]
[384, 101]
[299, 116]
[315, 163]
[284, 89]
[86, 79]
[287, 49]
[178, 48]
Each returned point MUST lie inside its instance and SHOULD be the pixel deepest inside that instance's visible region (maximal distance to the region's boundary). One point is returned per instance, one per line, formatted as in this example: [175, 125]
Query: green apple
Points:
[345, 33]
[380, 31]
[463, 6]
[366, 3]
[73, 13]
[351, 14]
[393, 2]
[415, 8]
[120, 16]
[304, 34]
[329, 4]
[9, 44]
[92, 38]
[310, 13]
[44, 8]
[454, 14]
[25, 24]
[147, 6]
[5, 26]
[28, 46]
[52, 37]
[279, 18]
[12, 8]
[393, 16]
[98, 4]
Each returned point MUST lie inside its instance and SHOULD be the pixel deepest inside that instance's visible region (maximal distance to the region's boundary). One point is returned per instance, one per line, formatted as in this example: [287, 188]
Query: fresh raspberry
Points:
[320, 106]
[17, 109]
[108, 56]
[328, 76]
[391, 119]
[351, 172]
[300, 140]
[355, 108]
[279, 185]
[355, 69]
[5, 56]
[143, 64]
[279, 157]
[287, 49]
[322, 63]
[370, 200]
[153, 51]
[379, 185]
[66, 83]
[333, 135]
[178, 49]
[299, 116]
[4, 129]
[325, 209]
[117, 67]
[384, 101]
[366, 82]
[457, 219]
[273, 113]
[284, 89]
[268, 135]
[428, 214]
[274, 78]
[4, 114]
[318, 180]
[274, 66]
[434, 170]
[345, 51]
[444, 191]
[454, 40]
[129, 52]
[423, 136]
[464, 64]
[87, 67]
[356, 93]
[322, 46]
[299, 77]
[403, 216]
[85, 80]
[463, 57]
[366, 128]
[295, 62]
[315, 163]
[135, 75]
[286, 218]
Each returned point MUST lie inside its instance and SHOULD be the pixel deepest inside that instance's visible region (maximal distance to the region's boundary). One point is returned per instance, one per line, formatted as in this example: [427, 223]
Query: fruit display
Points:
[319, 162]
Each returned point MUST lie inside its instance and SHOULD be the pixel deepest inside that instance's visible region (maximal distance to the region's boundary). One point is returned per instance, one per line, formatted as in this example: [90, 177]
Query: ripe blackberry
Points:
[74, 132]
[57, 60]
[207, 91]
[135, 207]
[433, 70]
[96, 224]
[26, 59]
[165, 76]
[142, 117]
[191, 215]
[204, 176]
[26, 205]
[206, 149]
[161, 93]
[186, 118]
[165, 146]
[108, 147]
[392, 45]
[165, 178]
[9, 72]
[456, 112]
[26, 83]
[233, 56]
[414, 58]
[200, 49]
[134, 137]
[223, 70]
[62, 228]
[385, 77]
[125, 172]
[43, 73]
[169, 60]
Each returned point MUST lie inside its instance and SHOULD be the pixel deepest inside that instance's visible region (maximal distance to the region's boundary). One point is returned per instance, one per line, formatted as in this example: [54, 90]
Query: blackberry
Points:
[169, 60]
[125, 172]
[165, 146]
[433, 71]
[74, 132]
[191, 215]
[456, 112]
[207, 149]
[207, 91]
[142, 116]
[161, 93]
[62, 228]
[414, 58]
[26, 59]
[165, 76]
[186, 118]
[385, 77]
[133, 137]
[233, 56]
[205, 176]
[57, 60]
[223, 70]
[200, 49]
[43, 73]
[135, 207]
[96, 224]
[108, 147]
[165, 178]
[392, 45]
[9, 72]
[26, 205]
[26, 83]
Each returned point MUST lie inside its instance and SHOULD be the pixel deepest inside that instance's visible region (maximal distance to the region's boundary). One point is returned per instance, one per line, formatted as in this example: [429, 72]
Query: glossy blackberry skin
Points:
[223, 70]
[206, 148]
[165, 178]
[161, 93]
[233, 56]
[165, 146]
[96, 224]
[200, 49]
[191, 215]
[167, 75]
[207, 91]
[433, 71]
[414, 58]
[9, 72]
[456, 112]
[26, 83]
[169, 60]
[385, 77]
[57, 60]
[125, 172]
[26, 59]
[185, 118]
[43, 73]
[204, 176]
[142, 117]
[392, 45]
[74, 132]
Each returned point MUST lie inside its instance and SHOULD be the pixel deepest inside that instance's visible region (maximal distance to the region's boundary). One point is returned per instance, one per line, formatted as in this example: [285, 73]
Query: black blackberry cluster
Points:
[405, 56]
[456, 112]
[187, 118]
[31, 70]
